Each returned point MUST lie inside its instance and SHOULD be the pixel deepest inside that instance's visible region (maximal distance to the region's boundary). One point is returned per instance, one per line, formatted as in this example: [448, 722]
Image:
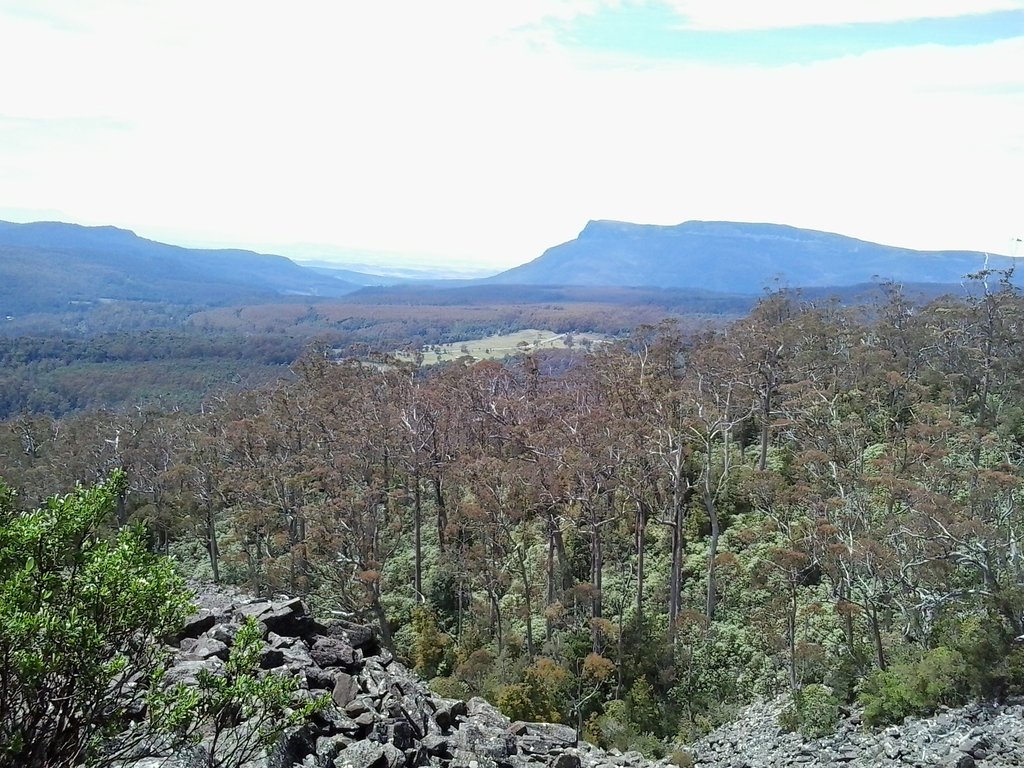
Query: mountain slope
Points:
[46, 265]
[734, 257]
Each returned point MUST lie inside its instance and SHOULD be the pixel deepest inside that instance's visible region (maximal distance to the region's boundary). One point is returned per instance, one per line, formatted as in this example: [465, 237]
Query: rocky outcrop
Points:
[975, 736]
[381, 715]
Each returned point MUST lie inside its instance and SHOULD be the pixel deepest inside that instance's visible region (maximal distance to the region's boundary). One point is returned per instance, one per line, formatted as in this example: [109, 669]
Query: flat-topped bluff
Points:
[736, 257]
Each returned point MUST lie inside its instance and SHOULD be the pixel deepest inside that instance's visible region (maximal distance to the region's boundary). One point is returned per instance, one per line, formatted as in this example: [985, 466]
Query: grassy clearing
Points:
[505, 345]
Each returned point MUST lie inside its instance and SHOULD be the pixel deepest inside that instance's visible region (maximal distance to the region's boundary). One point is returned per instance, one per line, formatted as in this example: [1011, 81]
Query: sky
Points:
[479, 133]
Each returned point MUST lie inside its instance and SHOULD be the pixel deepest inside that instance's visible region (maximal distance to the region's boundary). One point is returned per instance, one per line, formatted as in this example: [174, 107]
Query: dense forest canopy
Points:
[117, 354]
[639, 539]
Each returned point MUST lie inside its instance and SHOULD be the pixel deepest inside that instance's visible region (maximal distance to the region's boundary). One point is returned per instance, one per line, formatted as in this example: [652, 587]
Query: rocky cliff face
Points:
[383, 716]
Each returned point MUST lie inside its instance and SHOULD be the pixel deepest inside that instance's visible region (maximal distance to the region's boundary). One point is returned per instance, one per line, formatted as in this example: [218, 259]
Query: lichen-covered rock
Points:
[346, 688]
[199, 623]
[356, 635]
[333, 652]
[187, 670]
[361, 754]
[205, 647]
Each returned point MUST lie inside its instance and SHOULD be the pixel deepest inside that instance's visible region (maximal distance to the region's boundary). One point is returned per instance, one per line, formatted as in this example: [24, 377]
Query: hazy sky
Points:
[485, 131]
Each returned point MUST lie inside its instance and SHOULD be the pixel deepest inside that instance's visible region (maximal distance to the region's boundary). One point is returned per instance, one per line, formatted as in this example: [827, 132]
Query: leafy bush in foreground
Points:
[79, 611]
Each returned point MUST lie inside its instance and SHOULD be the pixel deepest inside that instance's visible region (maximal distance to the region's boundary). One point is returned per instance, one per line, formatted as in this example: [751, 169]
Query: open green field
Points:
[504, 345]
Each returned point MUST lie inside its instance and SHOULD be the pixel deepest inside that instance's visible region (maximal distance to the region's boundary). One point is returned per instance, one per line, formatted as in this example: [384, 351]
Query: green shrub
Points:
[539, 694]
[885, 696]
[517, 702]
[789, 719]
[612, 729]
[984, 645]
[449, 688]
[1015, 671]
[430, 645]
[642, 709]
[692, 727]
[80, 607]
[818, 711]
[648, 745]
[240, 711]
[941, 676]
[846, 670]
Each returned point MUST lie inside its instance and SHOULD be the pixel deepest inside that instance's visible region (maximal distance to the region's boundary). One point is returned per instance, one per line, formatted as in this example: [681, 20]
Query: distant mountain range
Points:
[47, 266]
[735, 258]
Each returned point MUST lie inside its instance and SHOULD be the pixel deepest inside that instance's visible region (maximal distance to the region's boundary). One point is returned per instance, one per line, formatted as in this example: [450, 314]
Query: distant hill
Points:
[46, 266]
[697, 267]
[735, 258]
[385, 277]
[350, 276]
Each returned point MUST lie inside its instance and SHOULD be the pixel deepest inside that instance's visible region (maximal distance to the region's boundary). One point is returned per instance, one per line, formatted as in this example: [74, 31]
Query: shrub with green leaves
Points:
[886, 697]
[450, 688]
[986, 647]
[940, 677]
[80, 609]
[538, 696]
[613, 729]
[789, 719]
[645, 715]
[817, 711]
[430, 645]
[1015, 671]
[238, 713]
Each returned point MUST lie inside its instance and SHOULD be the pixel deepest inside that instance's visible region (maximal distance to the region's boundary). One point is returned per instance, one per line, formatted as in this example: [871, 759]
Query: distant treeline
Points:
[119, 354]
[59, 374]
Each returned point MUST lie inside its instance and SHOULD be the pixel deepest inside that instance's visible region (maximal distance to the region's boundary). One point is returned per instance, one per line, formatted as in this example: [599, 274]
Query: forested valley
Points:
[122, 353]
[636, 540]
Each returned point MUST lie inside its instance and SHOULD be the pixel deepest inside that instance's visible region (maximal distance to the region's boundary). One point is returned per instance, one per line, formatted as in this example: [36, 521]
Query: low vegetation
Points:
[80, 614]
[84, 611]
[239, 713]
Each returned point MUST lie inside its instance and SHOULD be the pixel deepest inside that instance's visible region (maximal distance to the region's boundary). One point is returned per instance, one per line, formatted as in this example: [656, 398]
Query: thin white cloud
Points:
[430, 128]
[779, 14]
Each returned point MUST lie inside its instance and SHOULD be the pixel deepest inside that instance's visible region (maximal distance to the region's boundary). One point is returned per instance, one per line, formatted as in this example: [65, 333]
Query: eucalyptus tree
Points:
[717, 402]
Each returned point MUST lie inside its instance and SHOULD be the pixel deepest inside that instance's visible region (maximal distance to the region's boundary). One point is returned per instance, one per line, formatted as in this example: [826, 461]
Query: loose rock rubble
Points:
[975, 736]
[382, 715]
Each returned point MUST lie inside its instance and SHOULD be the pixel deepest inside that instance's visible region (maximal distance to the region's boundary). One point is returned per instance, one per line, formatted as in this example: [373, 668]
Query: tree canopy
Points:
[813, 499]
